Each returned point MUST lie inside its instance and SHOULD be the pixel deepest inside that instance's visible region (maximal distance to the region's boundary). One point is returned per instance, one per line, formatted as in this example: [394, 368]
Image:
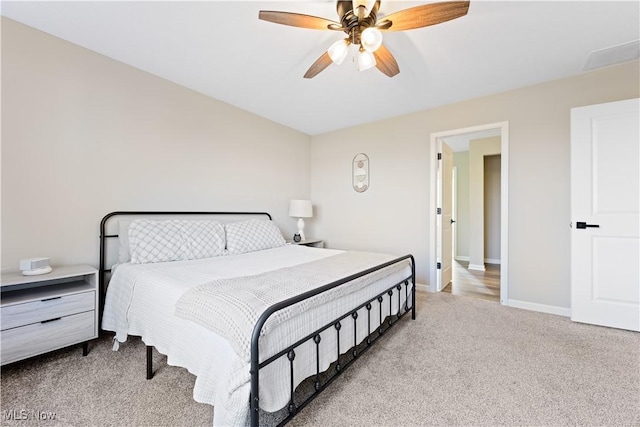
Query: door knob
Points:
[452, 221]
[583, 225]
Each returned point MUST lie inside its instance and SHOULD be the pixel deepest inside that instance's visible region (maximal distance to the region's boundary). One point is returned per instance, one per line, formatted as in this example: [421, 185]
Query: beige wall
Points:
[492, 209]
[478, 150]
[393, 214]
[84, 135]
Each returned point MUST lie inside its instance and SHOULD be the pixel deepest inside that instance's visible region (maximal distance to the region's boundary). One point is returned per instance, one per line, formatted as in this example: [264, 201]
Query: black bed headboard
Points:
[143, 214]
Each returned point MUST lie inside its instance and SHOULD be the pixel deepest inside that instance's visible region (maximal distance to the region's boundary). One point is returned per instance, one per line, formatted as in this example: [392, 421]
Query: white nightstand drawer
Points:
[30, 340]
[37, 311]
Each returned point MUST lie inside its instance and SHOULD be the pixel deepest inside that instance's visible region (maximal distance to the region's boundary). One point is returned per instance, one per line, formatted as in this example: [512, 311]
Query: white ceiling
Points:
[221, 49]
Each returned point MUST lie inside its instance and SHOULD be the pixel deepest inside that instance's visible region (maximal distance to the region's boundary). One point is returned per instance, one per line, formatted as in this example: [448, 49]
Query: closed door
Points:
[605, 214]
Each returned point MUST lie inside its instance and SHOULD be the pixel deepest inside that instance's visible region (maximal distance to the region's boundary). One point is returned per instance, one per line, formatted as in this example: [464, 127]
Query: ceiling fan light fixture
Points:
[371, 39]
[366, 60]
[355, 18]
[338, 51]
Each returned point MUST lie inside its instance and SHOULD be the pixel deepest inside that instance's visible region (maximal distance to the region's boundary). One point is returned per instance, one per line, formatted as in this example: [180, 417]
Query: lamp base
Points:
[301, 229]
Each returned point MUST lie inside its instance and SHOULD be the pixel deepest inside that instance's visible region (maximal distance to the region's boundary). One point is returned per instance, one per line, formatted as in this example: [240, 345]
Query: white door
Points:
[605, 214]
[445, 172]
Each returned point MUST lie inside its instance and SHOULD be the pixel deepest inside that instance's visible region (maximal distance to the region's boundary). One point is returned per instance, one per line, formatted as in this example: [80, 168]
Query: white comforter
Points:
[141, 300]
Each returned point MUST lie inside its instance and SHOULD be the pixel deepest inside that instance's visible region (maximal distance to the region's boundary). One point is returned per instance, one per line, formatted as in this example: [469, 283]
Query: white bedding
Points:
[141, 301]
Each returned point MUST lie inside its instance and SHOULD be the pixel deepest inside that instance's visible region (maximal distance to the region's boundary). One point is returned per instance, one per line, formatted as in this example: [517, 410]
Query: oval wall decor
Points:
[360, 169]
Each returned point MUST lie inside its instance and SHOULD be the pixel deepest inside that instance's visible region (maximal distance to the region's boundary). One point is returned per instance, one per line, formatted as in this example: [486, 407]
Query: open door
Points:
[445, 218]
[605, 214]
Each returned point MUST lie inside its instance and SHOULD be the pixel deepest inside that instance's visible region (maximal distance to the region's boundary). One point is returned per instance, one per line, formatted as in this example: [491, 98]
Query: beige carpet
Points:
[462, 362]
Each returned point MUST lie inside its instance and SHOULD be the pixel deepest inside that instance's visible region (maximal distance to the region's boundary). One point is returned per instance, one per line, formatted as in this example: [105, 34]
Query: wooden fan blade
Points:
[385, 61]
[299, 20]
[321, 63]
[425, 15]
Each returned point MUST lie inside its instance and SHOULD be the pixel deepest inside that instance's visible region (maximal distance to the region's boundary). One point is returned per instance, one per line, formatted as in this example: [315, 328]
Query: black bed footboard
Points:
[406, 286]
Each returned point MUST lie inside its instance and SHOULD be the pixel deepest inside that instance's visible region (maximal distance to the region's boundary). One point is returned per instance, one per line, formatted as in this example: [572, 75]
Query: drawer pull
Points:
[49, 299]
[51, 320]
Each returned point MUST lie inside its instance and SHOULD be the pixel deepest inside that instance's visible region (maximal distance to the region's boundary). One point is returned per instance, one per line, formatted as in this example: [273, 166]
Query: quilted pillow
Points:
[252, 235]
[174, 240]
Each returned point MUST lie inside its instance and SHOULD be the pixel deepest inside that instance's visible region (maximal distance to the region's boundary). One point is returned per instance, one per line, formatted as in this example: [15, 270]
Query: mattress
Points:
[141, 300]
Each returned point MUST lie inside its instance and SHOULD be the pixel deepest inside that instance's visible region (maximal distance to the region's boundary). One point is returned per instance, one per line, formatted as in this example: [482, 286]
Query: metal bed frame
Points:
[341, 362]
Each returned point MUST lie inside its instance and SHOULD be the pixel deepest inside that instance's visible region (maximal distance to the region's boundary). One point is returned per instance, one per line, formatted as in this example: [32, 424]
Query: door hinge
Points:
[439, 211]
[439, 266]
[439, 156]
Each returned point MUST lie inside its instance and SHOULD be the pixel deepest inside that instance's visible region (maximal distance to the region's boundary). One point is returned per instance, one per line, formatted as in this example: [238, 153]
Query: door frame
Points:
[435, 144]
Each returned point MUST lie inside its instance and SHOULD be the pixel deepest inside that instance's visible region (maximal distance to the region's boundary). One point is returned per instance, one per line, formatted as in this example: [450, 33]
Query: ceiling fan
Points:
[359, 20]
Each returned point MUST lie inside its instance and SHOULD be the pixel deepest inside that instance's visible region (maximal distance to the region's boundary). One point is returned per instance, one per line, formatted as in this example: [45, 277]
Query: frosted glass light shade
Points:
[368, 4]
[371, 39]
[338, 51]
[366, 60]
[300, 209]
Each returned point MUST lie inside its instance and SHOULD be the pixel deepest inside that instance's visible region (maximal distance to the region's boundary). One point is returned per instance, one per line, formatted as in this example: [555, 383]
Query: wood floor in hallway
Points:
[477, 284]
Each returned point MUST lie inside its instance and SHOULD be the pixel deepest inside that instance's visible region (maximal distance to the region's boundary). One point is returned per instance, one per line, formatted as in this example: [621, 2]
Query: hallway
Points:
[476, 284]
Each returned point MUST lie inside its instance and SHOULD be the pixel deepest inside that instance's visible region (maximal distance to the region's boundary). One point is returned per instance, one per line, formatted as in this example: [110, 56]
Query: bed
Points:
[263, 325]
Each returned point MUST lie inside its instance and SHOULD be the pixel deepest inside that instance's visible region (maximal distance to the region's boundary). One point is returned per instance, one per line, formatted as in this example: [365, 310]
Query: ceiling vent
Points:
[613, 55]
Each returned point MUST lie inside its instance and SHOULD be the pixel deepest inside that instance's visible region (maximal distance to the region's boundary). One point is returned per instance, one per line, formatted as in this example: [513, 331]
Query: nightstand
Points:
[315, 243]
[42, 313]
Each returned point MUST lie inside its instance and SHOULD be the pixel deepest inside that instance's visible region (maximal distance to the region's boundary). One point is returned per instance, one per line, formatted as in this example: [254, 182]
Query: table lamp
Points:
[301, 209]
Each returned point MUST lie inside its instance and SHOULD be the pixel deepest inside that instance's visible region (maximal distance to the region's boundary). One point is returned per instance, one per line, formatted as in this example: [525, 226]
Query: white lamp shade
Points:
[300, 209]
[371, 39]
[366, 60]
[338, 51]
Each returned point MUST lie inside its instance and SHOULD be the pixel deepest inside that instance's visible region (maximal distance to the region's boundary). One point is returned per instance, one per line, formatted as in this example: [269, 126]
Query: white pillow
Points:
[252, 235]
[174, 240]
[123, 241]
[203, 238]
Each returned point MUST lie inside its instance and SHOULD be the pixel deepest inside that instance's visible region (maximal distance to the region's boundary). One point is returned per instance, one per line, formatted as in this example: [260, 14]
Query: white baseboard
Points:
[478, 267]
[486, 260]
[543, 308]
[422, 287]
